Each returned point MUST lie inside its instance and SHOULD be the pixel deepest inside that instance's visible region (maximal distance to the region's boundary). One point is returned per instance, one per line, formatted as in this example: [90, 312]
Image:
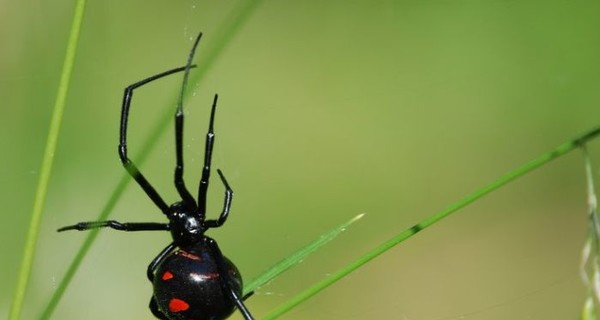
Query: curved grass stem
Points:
[47, 161]
[431, 220]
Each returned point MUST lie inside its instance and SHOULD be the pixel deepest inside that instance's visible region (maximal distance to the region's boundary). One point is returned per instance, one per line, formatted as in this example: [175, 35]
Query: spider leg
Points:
[156, 261]
[227, 288]
[248, 295]
[154, 308]
[121, 226]
[226, 206]
[131, 168]
[210, 140]
[179, 183]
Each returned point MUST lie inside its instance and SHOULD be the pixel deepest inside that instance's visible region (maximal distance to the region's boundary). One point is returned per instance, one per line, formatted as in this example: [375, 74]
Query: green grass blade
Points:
[429, 221]
[589, 309]
[47, 161]
[227, 32]
[589, 266]
[298, 256]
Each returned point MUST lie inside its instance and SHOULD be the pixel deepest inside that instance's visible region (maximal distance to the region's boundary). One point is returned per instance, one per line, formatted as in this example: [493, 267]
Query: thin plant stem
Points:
[431, 220]
[47, 161]
[295, 257]
[590, 262]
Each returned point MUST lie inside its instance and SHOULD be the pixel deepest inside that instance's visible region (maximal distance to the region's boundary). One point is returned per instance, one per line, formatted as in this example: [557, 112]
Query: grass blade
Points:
[429, 221]
[590, 257]
[298, 256]
[47, 161]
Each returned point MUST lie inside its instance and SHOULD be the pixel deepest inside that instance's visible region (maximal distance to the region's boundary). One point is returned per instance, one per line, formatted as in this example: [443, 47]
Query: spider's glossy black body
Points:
[191, 277]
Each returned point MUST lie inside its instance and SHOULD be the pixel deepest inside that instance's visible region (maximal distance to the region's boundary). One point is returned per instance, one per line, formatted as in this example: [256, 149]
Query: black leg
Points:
[248, 295]
[127, 163]
[227, 288]
[240, 305]
[126, 226]
[156, 261]
[210, 140]
[179, 183]
[226, 206]
[154, 308]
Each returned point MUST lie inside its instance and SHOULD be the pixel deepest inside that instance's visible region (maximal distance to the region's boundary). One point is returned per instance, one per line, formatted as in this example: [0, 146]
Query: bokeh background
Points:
[327, 109]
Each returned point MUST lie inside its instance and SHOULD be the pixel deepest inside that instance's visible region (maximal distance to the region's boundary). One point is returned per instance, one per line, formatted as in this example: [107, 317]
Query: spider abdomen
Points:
[188, 285]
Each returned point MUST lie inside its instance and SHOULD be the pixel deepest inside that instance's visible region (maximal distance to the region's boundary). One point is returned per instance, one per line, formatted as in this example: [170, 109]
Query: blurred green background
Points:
[327, 109]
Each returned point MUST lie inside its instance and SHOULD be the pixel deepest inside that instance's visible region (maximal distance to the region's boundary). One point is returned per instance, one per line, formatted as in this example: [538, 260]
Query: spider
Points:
[191, 277]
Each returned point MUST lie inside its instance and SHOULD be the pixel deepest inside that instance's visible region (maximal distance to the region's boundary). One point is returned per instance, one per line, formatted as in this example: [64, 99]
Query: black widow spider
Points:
[191, 277]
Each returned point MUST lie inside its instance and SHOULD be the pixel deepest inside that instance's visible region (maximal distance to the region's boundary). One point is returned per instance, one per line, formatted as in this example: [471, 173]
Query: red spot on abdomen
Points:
[167, 275]
[177, 305]
[187, 255]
